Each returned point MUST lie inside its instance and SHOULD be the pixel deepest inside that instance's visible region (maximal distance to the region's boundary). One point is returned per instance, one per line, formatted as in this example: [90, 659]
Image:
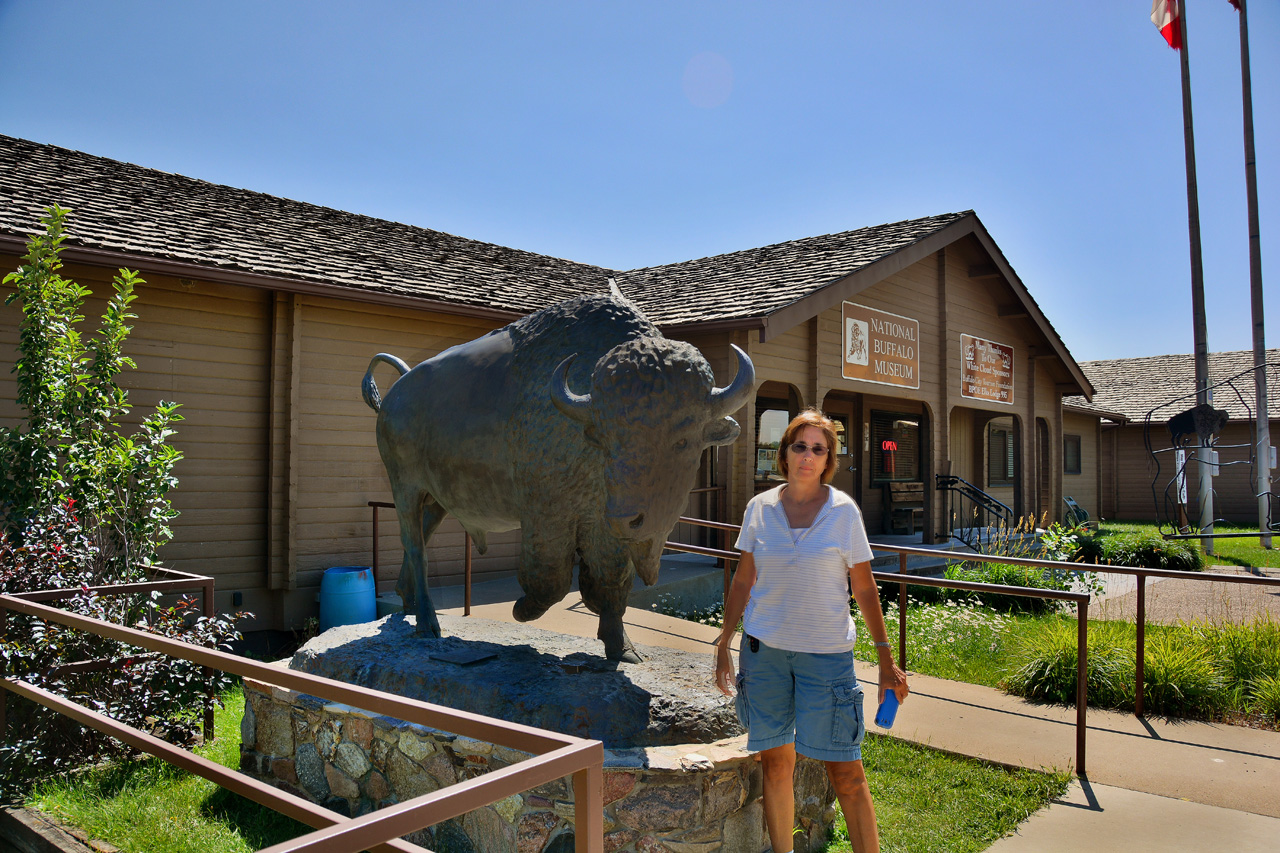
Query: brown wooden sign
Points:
[881, 347]
[986, 370]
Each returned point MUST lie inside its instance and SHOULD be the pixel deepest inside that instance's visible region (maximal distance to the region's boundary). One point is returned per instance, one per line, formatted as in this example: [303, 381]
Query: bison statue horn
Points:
[724, 400]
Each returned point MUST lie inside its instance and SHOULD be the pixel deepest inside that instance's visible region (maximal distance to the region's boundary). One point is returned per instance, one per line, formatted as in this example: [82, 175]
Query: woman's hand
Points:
[724, 669]
[893, 678]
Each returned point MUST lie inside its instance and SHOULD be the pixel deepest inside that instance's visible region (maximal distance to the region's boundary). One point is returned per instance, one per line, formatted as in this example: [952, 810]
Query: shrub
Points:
[1007, 574]
[1240, 653]
[148, 691]
[1150, 551]
[1071, 544]
[71, 445]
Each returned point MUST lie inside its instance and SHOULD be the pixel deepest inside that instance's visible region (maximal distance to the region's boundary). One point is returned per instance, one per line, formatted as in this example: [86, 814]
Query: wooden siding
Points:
[334, 455]
[1083, 487]
[204, 346]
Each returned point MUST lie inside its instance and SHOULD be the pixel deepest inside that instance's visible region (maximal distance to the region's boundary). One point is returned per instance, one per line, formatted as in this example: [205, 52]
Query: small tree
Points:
[72, 449]
[84, 502]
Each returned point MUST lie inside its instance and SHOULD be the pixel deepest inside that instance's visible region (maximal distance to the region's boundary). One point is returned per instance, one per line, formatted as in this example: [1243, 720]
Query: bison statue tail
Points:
[369, 388]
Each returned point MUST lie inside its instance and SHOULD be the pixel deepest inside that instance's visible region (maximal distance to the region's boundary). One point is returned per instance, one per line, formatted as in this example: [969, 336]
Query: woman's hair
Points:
[810, 418]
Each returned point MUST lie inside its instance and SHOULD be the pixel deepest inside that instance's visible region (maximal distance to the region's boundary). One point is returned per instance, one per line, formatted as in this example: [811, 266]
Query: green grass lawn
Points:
[931, 802]
[148, 806]
[925, 800]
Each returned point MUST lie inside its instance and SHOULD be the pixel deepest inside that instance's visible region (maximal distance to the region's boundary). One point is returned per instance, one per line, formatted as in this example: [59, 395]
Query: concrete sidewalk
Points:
[1150, 784]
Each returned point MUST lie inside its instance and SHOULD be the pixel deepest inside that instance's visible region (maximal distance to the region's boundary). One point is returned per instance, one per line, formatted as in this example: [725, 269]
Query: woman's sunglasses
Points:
[800, 448]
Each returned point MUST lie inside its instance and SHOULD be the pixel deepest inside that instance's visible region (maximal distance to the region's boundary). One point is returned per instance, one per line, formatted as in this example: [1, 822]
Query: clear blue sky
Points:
[629, 134]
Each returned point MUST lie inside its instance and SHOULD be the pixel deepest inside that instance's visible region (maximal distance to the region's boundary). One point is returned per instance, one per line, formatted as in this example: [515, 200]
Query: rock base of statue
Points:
[677, 777]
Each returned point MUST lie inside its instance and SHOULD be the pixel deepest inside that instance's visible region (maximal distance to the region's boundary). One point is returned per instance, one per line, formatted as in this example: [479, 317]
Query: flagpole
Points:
[1203, 454]
[1263, 418]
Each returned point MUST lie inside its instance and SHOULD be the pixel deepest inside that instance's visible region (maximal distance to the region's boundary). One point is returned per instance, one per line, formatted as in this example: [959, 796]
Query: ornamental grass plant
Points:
[1194, 669]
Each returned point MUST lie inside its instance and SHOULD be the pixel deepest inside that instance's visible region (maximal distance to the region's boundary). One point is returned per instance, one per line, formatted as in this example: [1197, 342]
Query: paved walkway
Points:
[1151, 785]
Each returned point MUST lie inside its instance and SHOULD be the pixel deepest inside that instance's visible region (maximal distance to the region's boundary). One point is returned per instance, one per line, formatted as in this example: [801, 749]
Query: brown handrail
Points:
[1140, 617]
[556, 755]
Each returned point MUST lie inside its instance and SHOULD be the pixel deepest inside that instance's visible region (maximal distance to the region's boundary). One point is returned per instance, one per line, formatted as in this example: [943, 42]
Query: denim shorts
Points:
[812, 700]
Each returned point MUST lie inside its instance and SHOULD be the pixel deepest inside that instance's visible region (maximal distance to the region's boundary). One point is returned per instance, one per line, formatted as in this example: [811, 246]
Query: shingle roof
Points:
[1135, 386]
[120, 207]
[756, 282]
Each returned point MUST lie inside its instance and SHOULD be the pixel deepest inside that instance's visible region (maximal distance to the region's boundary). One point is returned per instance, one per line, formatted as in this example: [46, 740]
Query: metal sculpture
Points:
[492, 433]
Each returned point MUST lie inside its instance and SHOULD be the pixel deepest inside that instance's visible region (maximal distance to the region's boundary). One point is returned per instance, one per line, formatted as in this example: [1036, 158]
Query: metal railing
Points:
[555, 755]
[904, 552]
[970, 510]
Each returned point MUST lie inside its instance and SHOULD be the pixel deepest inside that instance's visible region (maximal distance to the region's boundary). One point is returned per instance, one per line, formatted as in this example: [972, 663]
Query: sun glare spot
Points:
[708, 80]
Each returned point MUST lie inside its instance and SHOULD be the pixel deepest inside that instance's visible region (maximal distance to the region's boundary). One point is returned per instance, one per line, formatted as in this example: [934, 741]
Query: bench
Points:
[903, 503]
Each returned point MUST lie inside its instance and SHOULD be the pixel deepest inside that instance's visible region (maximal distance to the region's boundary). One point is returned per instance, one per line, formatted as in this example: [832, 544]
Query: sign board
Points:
[881, 347]
[986, 370]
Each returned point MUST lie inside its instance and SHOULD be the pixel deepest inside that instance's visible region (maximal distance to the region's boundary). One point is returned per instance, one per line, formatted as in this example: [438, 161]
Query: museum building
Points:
[260, 315]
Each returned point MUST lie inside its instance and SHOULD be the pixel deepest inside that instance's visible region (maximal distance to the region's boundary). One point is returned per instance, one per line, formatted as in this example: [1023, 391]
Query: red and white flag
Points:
[1164, 14]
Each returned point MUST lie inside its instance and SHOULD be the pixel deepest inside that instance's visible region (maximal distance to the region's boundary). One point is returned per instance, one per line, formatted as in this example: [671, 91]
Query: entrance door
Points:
[846, 478]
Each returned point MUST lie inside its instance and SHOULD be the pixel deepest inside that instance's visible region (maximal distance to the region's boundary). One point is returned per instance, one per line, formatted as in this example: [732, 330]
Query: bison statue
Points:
[580, 424]
[1202, 421]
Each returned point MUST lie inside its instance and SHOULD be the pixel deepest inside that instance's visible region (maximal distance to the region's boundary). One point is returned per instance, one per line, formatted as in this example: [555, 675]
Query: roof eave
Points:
[1096, 412]
[782, 319]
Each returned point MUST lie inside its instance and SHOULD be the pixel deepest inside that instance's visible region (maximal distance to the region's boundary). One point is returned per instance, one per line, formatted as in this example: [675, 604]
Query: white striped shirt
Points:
[800, 600]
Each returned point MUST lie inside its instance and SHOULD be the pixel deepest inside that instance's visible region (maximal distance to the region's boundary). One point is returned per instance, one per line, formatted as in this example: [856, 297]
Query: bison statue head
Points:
[653, 408]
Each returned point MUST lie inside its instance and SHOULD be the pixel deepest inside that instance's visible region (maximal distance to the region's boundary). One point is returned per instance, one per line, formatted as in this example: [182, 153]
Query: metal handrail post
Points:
[588, 809]
[208, 609]
[1082, 681]
[466, 573]
[1140, 667]
[373, 559]
[902, 613]
[728, 574]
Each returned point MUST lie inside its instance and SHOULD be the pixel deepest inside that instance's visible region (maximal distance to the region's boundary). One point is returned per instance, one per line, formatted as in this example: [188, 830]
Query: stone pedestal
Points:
[676, 776]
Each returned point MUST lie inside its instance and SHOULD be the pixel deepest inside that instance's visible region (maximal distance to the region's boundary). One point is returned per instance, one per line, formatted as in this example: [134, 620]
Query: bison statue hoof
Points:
[525, 610]
[627, 655]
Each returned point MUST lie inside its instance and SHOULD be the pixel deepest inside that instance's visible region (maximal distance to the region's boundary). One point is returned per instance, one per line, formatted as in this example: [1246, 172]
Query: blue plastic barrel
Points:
[347, 596]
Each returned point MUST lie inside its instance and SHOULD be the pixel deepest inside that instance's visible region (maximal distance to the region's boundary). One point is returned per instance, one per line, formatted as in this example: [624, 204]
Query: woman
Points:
[803, 548]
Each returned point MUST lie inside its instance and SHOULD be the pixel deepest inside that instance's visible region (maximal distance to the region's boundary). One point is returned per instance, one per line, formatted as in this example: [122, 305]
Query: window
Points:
[895, 447]
[1071, 454]
[1000, 455]
[842, 433]
[771, 425]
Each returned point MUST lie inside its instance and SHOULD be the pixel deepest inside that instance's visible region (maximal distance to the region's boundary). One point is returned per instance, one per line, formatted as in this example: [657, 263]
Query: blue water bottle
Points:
[888, 710]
